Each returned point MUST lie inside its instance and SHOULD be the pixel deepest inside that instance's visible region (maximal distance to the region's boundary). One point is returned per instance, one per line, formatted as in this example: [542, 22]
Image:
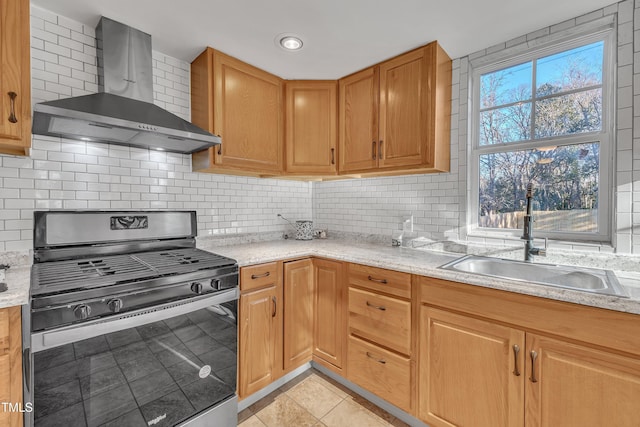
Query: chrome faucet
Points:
[529, 249]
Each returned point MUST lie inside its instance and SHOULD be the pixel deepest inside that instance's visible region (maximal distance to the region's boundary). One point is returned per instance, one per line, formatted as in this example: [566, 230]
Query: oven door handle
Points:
[54, 338]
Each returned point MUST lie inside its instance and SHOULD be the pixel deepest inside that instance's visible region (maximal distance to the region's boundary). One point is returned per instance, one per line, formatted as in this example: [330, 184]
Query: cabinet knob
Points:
[12, 113]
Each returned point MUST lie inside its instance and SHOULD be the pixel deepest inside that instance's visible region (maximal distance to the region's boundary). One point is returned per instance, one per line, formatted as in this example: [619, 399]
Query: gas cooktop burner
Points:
[61, 276]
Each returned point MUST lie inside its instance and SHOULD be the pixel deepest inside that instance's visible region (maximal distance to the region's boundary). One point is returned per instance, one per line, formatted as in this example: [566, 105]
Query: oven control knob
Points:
[215, 284]
[196, 288]
[115, 305]
[82, 311]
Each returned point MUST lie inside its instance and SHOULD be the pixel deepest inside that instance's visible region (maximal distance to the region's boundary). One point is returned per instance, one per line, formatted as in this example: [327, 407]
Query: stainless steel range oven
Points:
[128, 323]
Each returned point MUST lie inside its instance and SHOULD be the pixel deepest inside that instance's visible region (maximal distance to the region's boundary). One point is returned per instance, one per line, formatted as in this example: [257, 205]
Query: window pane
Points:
[565, 181]
[569, 114]
[571, 69]
[502, 87]
[506, 124]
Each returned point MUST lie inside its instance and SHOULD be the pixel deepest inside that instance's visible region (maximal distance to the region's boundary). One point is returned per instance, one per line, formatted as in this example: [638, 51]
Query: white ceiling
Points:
[340, 36]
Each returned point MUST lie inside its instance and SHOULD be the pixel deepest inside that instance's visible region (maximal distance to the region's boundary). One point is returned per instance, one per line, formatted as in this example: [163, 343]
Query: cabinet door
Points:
[469, 373]
[10, 365]
[359, 121]
[578, 386]
[247, 104]
[329, 329]
[403, 110]
[259, 339]
[15, 115]
[298, 313]
[311, 126]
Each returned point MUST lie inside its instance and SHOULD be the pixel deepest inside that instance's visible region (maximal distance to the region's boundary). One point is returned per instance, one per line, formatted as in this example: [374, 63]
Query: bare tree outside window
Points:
[544, 101]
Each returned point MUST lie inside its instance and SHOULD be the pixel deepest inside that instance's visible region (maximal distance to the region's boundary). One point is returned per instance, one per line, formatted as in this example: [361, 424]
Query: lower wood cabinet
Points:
[329, 325]
[380, 371]
[380, 352]
[10, 365]
[471, 371]
[492, 372]
[289, 312]
[260, 328]
[448, 353]
[573, 385]
[298, 313]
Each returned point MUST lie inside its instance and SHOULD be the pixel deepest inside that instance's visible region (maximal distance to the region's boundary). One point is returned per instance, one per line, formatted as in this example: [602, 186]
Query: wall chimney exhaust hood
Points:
[123, 112]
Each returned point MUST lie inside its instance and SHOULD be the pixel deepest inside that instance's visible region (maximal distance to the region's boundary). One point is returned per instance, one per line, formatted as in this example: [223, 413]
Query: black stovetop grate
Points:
[102, 271]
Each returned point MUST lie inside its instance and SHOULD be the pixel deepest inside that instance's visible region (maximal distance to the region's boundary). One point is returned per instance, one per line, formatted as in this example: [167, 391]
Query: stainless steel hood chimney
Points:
[123, 112]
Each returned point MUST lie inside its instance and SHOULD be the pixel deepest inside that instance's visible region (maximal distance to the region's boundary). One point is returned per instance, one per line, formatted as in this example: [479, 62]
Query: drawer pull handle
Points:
[373, 279]
[371, 356]
[275, 304]
[258, 276]
[516, 351]
[380, 150]
[12, 114]
[379, 307]
[333, 156]
[373, 150]
[534, 356]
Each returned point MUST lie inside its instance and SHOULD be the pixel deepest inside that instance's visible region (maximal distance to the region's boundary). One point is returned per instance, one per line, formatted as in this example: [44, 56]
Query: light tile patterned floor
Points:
[314, 400]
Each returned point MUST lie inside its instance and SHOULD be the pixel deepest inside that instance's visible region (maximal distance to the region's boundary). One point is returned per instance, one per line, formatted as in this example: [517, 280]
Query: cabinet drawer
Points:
[258, 276]
[381, 372]
[380, 280]
[382, 319]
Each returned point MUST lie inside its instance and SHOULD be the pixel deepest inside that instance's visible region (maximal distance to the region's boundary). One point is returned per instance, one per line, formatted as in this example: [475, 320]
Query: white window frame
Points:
[605, 137]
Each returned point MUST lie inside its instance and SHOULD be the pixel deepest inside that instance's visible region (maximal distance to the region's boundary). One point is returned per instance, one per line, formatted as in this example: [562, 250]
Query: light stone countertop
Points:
[420, 262]
[414, 261]
[18, 280]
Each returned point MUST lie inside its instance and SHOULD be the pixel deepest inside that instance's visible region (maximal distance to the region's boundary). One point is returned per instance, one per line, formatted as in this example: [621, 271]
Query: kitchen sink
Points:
[561, 276]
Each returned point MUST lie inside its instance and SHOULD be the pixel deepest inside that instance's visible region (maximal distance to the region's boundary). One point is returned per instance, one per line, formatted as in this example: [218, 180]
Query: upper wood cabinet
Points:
[396, 115]
[15, 78]
[242, 104]
[359, 121]
[311, 127]
[393, 118]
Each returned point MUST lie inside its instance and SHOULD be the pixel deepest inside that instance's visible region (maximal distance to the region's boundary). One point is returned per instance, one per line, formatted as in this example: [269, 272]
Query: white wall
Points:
[439, 201]
[64, 174]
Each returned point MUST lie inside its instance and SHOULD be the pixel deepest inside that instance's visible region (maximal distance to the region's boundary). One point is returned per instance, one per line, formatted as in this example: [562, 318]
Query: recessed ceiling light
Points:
[291, 43]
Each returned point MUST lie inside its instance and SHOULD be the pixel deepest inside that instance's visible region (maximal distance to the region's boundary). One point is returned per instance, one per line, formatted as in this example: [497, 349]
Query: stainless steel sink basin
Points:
[576, 278]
